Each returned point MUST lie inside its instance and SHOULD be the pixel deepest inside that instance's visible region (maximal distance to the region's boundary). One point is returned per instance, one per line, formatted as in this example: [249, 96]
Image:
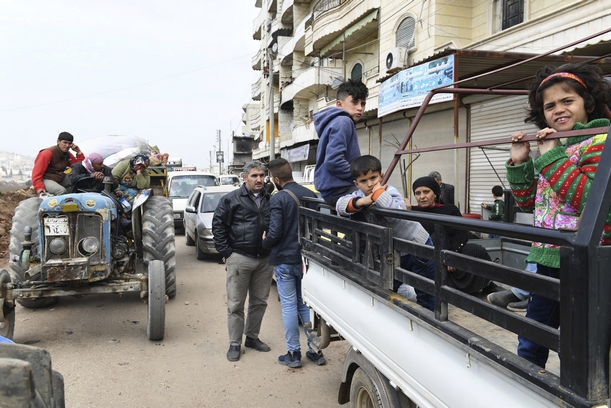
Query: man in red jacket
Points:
[48, 175]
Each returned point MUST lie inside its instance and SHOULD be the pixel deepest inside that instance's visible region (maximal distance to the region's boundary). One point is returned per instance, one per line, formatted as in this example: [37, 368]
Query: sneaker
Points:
[292, 360]
[502, 299]
[518, 306]
[318, 358]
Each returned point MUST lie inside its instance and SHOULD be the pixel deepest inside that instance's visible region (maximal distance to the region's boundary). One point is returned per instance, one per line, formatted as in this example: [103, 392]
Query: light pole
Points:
[271, 52]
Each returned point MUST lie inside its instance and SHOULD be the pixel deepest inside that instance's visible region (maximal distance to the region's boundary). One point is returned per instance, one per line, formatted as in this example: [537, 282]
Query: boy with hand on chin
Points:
[367, 174]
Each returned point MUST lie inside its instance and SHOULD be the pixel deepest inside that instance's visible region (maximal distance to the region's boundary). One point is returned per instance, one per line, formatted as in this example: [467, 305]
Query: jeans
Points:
[544, 311]
[423, 267]
[288, 281]
[252, 277]
[521, 293]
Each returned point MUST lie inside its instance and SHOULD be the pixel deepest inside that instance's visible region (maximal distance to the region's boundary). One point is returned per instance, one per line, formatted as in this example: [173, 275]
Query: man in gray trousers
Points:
[239, 222]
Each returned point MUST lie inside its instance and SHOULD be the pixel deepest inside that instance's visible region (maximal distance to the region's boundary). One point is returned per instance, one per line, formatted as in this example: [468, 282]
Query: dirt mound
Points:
[8, 202]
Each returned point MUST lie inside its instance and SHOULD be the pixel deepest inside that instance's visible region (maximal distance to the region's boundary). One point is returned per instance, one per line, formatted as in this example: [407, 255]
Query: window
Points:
[357, 71]
[513, 13]
[406, 33]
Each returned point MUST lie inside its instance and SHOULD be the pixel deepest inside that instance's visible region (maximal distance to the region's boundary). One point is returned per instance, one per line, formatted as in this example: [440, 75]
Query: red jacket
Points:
[50, 164]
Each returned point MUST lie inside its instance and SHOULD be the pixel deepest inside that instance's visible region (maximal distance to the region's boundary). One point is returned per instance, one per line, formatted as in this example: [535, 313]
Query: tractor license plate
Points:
[56, 226]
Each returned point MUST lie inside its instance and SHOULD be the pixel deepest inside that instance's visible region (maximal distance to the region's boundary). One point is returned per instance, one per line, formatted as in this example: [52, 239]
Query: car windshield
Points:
[228, 181]
[211, 201]
[182, 186]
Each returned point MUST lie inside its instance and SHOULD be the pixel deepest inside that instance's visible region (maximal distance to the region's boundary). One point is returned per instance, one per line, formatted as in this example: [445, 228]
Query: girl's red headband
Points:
[563, 75]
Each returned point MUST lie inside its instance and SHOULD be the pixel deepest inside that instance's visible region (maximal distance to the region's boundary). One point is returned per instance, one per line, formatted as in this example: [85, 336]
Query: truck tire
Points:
[27, 378]
[7, 327]
[158, 238]
[26, 215]
[467, 282]
[363, 393]
[155, 327]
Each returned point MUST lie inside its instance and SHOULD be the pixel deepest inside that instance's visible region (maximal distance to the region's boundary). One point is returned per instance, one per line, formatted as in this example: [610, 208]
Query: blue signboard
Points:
[409, 87]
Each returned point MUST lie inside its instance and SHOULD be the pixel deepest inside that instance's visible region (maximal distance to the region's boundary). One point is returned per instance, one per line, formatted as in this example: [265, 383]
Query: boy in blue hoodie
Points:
[338, 143]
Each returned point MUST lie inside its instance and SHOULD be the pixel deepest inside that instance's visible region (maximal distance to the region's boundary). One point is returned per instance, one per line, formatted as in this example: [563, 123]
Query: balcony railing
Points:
[256, 89]
[324, 5]
[371, 72]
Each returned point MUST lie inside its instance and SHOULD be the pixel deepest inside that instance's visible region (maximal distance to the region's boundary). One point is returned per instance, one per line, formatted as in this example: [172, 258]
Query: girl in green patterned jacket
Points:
[555, 186]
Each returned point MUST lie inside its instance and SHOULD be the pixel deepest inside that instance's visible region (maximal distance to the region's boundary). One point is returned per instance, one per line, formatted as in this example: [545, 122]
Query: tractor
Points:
[88, 243]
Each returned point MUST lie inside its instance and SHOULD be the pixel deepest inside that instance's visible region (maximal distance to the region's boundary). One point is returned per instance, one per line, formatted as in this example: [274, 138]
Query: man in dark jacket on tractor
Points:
[240, 220]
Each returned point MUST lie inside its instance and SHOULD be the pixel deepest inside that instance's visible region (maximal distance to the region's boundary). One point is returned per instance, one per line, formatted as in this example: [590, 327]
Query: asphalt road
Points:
[99, 345]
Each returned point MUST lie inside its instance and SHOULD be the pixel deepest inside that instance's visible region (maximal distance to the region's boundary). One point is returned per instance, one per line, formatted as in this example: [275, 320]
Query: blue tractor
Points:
[81, 243]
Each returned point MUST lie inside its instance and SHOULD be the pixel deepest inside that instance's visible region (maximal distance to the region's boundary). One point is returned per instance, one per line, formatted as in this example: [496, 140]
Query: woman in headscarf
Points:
[90, 173]
[132, 176]
[427, 192]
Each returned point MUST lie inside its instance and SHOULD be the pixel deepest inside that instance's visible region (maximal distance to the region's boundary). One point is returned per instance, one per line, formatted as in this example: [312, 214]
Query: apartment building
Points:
[401, 50]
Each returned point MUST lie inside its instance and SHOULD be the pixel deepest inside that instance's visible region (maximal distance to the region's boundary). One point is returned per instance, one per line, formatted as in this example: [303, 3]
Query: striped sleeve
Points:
[523, 184]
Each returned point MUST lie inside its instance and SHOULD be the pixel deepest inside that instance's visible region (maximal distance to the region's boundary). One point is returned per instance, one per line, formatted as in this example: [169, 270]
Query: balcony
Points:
[312, 81]
[258, 23]
[333, 23]
[256, 89]
[295, 42]
[257, 64]
[287, 10]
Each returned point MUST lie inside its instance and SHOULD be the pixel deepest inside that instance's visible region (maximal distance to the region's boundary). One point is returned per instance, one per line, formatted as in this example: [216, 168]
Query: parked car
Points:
[181, 184]
[198, 218]
[229, 180]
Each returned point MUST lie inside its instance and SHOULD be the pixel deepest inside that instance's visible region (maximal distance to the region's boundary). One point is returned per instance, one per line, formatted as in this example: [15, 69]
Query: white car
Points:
[180, 186]
[198, 218]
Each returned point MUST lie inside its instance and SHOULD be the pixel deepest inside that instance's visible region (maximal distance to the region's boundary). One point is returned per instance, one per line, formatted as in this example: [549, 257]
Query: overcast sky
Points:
[172, 72]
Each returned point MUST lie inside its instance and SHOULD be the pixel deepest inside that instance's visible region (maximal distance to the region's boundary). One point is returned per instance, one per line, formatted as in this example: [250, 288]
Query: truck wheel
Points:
[7, 327]
[26, 215]
[158, 238]
[188, 239]
[467, 282]
[201, 255]
[156, 302]
[363, 394]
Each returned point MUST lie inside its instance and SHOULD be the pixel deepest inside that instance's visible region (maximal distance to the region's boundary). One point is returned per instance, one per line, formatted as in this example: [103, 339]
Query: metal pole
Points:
[272, 141]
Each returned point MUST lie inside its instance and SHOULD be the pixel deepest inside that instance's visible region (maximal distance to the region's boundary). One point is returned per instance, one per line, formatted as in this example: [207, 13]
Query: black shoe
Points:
[233, 354]
[518, 306]
[502, 299]
[492, 288]
[318, 358]
[256, 344]
[292, 360]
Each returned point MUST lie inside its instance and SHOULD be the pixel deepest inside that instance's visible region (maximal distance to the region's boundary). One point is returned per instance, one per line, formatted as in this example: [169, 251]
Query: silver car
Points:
[198, 218]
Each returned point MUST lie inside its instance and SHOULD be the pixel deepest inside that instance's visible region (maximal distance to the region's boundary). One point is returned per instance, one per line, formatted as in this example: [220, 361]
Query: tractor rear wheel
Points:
[26, 215]
[158, 238]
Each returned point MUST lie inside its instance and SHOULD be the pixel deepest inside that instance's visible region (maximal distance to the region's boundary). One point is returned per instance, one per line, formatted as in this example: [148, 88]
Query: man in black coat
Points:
[447, 190]
[285, 256]
[240, 220]
[91, 171]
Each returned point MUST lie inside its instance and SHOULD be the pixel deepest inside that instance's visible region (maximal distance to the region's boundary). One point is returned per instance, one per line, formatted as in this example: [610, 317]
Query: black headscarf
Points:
[429, 182]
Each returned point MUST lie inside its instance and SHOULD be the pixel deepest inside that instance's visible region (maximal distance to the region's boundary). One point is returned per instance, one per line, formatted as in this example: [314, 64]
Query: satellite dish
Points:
[275, 48]
[389, 60]
[337, 82]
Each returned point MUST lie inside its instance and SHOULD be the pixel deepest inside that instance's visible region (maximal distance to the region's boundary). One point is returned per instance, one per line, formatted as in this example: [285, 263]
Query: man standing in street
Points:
[447, 190]
[49, 172]
[285, 256]
[240, 220]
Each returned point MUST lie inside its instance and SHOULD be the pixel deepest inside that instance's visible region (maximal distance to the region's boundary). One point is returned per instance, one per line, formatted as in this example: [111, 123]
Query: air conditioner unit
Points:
[396, 59]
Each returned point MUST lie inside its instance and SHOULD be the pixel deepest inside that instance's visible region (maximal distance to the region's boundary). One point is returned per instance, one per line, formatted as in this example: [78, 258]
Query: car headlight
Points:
[89, 245]
[207, 231]
[57, 246]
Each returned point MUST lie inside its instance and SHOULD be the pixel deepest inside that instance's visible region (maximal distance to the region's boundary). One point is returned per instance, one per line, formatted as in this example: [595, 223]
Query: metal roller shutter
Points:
[492, 119]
